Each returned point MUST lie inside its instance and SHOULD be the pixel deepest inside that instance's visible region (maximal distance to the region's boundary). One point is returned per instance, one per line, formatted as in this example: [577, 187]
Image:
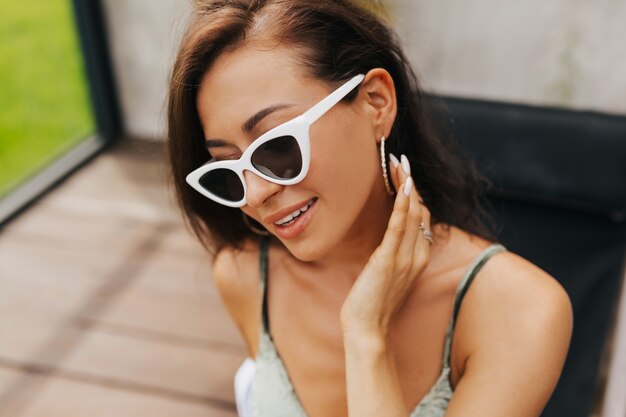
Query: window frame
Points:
[91, 31]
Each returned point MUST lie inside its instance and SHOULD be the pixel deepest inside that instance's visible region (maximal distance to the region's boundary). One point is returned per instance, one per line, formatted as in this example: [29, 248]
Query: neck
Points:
[349, 257]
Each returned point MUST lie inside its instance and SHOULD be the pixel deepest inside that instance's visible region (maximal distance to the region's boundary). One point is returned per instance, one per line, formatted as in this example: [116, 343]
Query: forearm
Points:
[373, 387]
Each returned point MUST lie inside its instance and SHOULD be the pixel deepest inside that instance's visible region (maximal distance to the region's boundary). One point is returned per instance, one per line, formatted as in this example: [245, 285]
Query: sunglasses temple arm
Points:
[333, 98]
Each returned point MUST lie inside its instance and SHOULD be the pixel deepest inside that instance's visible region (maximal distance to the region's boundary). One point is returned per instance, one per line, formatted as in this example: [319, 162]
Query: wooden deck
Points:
[107, 306]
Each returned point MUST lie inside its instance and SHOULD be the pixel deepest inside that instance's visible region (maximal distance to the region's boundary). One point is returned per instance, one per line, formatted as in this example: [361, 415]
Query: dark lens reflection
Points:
[223, 183]
[278, 158]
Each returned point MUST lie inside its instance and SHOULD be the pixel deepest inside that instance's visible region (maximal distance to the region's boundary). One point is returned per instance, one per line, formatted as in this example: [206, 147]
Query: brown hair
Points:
[333, 40]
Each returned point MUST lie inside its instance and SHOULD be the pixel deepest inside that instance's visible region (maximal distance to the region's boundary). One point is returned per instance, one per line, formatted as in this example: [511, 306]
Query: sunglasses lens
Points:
[279, 158]
[223, 183]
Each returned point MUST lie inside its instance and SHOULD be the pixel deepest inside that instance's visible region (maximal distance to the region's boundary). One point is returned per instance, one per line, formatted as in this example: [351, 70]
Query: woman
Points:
[301, 150]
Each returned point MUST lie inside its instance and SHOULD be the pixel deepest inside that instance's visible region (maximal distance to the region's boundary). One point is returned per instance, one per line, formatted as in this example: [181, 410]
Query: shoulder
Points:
[231, 266]
[520, 291]
[237, 279]
[515, 318]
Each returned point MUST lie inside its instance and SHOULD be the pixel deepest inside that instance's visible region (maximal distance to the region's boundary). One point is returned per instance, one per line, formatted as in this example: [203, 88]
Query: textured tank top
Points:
[273, 394]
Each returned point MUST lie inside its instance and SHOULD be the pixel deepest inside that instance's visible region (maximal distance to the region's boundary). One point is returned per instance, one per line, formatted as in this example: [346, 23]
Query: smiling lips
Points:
[292, 222]
[290, 218]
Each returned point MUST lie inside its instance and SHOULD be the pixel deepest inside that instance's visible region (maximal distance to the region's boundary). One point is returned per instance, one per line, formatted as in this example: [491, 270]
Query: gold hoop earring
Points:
[254, 229]
[383, 161]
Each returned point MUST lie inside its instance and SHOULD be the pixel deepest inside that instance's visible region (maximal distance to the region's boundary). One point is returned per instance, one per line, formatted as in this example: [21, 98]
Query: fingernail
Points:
[407, 186]
[405, 164]
[394, 160]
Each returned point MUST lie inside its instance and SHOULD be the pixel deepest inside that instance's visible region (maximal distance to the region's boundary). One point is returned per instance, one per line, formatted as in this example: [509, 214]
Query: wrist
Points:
[365, 339]
[371, 328]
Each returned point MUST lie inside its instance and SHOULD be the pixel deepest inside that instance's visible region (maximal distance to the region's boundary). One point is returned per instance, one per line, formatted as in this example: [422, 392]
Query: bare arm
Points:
[373, 387]
[518, 338]
[237, 280]
[517, 332]
[516, 326]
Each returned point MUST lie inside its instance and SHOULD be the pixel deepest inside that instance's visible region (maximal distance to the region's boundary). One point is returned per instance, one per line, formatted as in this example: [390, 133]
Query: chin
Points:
[306, 250]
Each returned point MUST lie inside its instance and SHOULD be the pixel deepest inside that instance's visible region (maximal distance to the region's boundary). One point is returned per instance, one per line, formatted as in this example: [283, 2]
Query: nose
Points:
[258, 190]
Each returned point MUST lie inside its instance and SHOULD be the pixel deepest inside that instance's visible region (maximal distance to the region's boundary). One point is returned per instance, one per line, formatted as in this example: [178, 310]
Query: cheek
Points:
[343, 173]
[343, 165]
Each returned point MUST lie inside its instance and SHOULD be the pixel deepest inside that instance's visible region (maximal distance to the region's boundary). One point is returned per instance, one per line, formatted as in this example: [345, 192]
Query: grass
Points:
[44, 102]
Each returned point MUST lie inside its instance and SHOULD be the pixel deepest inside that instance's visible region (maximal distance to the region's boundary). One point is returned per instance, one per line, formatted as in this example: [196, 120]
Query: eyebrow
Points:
[249, 124]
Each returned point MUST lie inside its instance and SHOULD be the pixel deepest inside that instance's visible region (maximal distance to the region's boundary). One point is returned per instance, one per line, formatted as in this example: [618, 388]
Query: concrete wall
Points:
[568, 53]
[143, 38]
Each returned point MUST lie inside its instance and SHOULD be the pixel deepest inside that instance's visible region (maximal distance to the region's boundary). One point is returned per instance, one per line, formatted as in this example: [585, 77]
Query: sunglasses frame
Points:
[298, 128]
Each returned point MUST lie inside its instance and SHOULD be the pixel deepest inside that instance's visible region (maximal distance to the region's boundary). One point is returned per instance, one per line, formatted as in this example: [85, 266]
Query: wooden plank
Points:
[60, 262]
[107, 305]
[26, 327]
[195, 317]
[177, 272]
[194, 372]
[64, 397]
[8, 377]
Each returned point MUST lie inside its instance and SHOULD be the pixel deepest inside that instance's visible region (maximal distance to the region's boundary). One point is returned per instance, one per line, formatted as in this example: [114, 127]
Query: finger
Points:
[423, 246]
[425, 210]
[419, 197]
[394, 164]
[412, 235]
[426, 221]
[405, 186]
[404, 171]
[396, 226]
[425, 215]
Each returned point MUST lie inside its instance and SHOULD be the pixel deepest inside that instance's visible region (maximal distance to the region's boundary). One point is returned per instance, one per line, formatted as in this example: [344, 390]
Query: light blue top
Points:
[273, 394]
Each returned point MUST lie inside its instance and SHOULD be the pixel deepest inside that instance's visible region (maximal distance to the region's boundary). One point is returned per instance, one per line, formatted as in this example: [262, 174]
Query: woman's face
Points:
[344, 180]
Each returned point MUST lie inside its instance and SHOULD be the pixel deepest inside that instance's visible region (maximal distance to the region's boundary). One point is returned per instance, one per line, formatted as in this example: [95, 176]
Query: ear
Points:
[379, 100]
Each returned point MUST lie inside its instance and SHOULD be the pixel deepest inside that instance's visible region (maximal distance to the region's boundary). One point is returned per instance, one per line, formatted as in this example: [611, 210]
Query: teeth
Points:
[295, 214]
[285, 219]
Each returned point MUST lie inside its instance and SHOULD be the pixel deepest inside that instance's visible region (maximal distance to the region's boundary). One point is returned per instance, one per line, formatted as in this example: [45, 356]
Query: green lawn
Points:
[44, 102]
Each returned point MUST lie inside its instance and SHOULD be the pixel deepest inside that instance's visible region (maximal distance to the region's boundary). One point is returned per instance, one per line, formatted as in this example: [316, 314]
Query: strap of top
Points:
[264, 268]
[461, 289]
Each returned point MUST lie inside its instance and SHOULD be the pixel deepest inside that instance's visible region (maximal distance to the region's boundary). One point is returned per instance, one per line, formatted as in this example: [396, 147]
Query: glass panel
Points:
[44, 101]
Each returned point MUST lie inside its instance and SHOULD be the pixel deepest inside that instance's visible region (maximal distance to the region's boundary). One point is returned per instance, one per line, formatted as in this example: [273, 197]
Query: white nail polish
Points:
[394, 161]
[405, 164]
[407, 186]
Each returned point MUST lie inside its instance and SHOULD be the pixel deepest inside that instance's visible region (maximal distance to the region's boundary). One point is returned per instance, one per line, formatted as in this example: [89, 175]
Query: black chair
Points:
[560, 202]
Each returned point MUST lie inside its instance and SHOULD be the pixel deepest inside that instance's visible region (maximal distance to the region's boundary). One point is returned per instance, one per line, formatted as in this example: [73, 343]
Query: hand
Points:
[385, 282]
